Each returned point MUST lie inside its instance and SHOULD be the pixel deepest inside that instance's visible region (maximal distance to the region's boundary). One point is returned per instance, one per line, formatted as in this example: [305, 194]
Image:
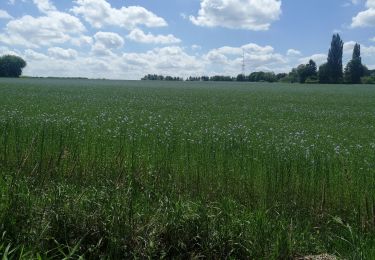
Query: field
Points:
[122, 169]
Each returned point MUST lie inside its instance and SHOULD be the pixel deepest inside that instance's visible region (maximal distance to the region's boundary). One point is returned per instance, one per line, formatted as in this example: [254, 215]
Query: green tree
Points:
[323, 74]
[307, 71]
[334, 61]
[312, 69]
[241, 77]
[354, 70]
[11, 66]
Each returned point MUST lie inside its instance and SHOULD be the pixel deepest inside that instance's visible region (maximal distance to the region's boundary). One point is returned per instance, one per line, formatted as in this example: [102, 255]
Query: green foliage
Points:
[323, 74]
[262, 76]
[181, 170]
[368, 80]
[334, 61]
[306, 71]
[354, 70]
[11, 66]
[312, 80]
[241, 77]
[161, 77]
[293, 76]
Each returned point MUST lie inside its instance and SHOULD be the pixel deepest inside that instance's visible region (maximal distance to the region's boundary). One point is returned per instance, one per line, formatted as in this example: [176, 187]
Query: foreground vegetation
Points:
[181, 170]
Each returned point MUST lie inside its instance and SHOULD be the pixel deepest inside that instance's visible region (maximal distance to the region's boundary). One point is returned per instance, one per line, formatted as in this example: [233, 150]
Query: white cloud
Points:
[196, 47]
[254, 15]
[109, 40]
[4, 15]
[105, 42]
[81, 40]
[293, 52]
[171, 60]
[102, 62]
[44, 6]
[100, 50]
[139, 36]
[365, 18]
[100, 13]
[348, 47]
[319, 59]
[366, 51]
[228, 60]
[53, 28]
[32, 55]
[60, 53]
[7, 51]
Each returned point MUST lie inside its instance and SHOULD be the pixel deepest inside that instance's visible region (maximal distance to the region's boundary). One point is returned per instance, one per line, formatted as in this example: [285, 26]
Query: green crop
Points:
[136, 169]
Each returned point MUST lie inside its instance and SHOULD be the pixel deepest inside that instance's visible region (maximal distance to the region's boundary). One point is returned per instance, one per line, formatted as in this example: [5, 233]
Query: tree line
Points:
[161, 77]
[331, 72]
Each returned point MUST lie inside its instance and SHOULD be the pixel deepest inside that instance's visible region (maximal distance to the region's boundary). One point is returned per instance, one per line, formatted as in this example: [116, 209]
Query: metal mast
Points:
[243, 62]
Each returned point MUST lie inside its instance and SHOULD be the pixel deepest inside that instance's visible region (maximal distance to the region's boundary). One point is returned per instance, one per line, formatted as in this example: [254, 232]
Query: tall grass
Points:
[185, 170]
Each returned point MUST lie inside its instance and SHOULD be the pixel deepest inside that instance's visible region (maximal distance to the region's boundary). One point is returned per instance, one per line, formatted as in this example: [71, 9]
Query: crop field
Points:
[132, 169]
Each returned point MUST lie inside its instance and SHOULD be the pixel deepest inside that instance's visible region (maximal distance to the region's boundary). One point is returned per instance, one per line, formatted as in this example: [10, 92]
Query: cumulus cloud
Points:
[171, 60]
[138, 35]
[60, 53]
[7, 51]
[293, 52]
[4, 15]
[53, 28]
[228, 60]
[44, 6]
[109, 40]
[254, 15]
[32, 55]
[365, 18]
[81, 40]
[100, 13]
[319, 59]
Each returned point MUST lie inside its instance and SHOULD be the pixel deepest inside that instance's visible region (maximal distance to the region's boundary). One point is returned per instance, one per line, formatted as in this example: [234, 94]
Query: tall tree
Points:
[334, 61]
[354, 70]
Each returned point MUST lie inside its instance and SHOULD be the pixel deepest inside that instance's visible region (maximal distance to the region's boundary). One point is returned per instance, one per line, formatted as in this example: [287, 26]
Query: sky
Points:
[126, 39]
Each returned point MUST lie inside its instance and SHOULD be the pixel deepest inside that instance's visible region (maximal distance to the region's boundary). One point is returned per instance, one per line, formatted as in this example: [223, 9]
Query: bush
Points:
[368, 80]
[312, 80]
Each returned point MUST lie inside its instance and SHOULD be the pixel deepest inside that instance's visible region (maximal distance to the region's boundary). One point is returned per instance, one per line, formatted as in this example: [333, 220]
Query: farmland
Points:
[131, 169]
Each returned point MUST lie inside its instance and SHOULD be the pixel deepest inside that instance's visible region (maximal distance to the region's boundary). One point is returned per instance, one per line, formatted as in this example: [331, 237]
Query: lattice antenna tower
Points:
[243, 62]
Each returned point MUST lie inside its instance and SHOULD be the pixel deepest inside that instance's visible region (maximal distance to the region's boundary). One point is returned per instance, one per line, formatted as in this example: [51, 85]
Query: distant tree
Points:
[334, 61]
[293, 76]
[323, 74]
[302, 73]
[161, 77]
[261, 76]
[280, 76]
[307, 71]
[11, 66]
[241, 77]
[222, 78]
[354, 70]
[312, 69]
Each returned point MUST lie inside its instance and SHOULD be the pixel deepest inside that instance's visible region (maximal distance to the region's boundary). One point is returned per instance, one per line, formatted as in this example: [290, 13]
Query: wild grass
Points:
[117, 169]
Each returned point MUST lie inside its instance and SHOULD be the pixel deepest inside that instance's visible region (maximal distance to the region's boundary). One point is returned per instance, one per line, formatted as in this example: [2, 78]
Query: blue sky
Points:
[125, 39]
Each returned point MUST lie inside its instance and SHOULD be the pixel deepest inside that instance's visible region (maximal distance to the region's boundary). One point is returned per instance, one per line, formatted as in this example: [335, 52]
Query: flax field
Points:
[96, 169]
